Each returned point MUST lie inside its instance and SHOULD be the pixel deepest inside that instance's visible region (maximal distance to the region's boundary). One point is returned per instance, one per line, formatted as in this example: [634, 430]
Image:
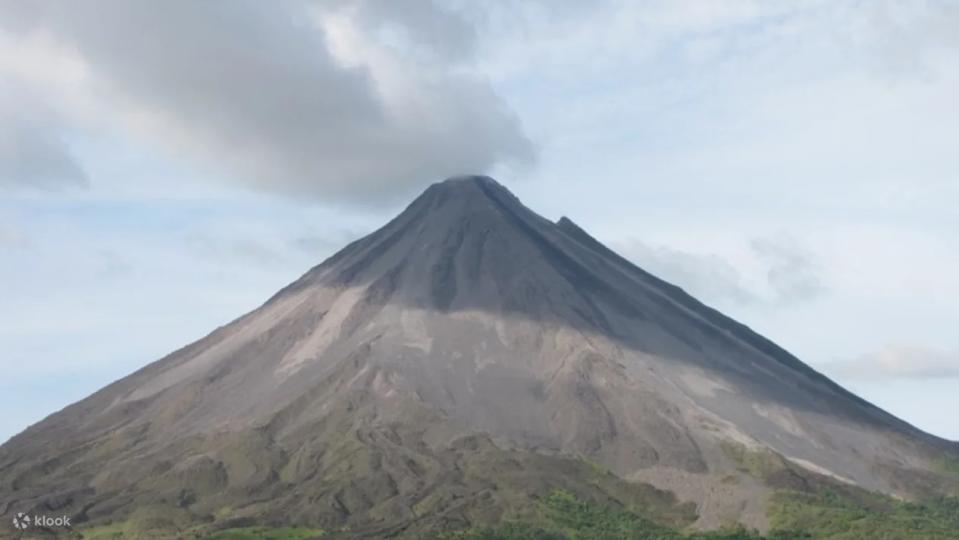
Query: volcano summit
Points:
[453, 369]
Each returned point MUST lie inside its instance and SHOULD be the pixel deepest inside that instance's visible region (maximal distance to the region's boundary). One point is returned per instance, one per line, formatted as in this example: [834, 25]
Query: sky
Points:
[167, 166]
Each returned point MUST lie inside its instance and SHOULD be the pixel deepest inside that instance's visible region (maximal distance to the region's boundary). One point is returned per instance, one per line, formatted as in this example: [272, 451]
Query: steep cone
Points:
[444, 370]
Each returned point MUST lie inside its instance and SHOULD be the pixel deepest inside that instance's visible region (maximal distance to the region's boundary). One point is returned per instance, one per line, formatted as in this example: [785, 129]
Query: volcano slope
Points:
[453, 368]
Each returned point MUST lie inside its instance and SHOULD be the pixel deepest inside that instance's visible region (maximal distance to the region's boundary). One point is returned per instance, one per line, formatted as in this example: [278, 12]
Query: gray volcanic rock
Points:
[414, 374]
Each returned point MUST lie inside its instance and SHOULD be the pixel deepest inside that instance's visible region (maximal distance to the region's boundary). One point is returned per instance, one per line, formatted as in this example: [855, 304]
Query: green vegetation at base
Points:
[123, 531]
[795, 516]
[110, 531]
[866, 516]
[846, 514]
[756, 463]
[948, 465]
[265, 533]
[567, 518]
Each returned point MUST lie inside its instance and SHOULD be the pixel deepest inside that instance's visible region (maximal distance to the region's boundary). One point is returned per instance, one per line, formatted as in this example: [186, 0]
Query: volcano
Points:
[451, 369]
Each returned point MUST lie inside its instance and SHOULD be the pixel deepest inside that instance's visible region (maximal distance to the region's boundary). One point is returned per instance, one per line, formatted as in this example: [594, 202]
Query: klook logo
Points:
[21, 521]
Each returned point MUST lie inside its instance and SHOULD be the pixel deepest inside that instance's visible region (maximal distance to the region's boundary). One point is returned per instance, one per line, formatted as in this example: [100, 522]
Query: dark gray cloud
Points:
[258, 89]
[32, 151]
[36, 157]
[897, 361]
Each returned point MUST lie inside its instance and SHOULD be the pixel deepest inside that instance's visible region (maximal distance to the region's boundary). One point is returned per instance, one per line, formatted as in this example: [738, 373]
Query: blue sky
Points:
[793, 163]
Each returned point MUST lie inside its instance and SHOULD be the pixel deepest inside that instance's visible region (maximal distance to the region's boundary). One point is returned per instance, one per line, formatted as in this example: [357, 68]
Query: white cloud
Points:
[898, 362]
[791, 271]
[780, 271]
[709, 277]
